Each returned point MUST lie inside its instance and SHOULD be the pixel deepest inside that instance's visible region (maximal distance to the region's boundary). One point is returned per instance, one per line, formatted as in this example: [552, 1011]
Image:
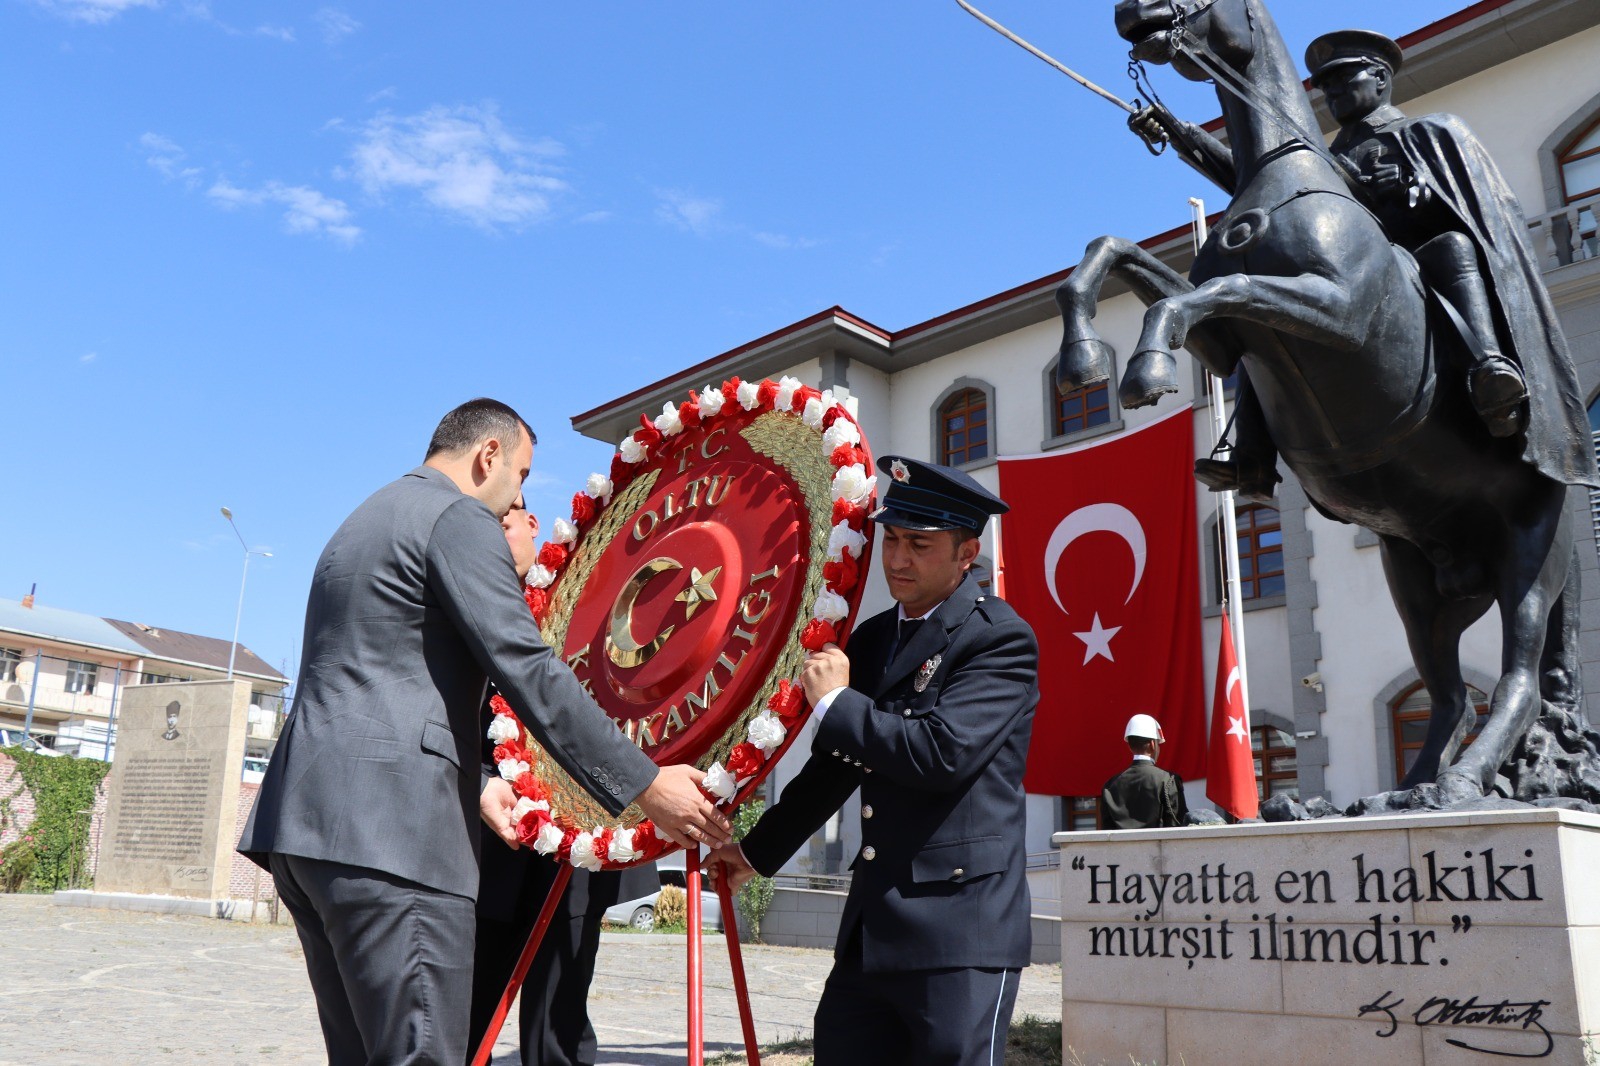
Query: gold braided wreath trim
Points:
[816, 440]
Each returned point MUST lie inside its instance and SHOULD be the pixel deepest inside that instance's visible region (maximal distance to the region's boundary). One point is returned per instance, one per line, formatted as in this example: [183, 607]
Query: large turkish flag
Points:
[1099, 554]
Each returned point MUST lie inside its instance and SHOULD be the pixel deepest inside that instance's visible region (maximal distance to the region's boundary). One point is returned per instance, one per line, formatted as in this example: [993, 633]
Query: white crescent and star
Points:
[1095, 518]
[1236, 727]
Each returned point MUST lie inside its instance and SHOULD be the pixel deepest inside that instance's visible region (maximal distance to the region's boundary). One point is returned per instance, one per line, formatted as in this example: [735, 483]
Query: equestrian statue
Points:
[1397, 348]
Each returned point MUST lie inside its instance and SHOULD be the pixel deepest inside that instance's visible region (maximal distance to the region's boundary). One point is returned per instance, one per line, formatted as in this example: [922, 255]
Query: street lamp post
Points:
[239, 614]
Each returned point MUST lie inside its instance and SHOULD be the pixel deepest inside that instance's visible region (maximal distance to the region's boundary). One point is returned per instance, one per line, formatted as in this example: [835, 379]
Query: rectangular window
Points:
[10, 658]
[1079, 813]
[81, 676]
[160, 679]
[1083, 409]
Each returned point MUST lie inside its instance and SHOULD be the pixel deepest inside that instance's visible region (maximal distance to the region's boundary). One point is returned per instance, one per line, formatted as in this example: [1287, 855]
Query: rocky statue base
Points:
[1440, 939]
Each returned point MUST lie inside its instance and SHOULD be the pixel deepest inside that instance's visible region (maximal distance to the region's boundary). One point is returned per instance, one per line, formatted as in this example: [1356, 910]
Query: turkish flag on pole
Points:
[1232, 784]
[1101, 559]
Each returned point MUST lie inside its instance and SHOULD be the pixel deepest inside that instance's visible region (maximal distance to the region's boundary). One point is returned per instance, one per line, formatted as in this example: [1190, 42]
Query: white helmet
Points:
[1144, 727]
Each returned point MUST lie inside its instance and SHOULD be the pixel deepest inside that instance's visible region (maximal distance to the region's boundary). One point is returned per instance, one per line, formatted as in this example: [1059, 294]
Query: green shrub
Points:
[17, 863]
[672, 910]
[63, 791]
[755, 897]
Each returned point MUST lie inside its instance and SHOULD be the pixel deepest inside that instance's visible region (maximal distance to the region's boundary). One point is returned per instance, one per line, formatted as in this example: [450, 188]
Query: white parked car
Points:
[641, 912]
[15, 738]
[254, 770]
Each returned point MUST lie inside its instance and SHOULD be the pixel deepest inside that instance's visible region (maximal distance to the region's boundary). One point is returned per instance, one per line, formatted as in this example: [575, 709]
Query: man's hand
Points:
[679, 809]
[495, 805]
[729, 861]
[824, 671]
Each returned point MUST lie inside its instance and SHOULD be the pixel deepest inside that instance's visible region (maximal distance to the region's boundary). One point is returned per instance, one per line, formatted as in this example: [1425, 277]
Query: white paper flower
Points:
[548, 842]
[632, 451]
[844, 539]
[565, 532]
[660, 834]
[668, 421]
[504, 728]
[711, 401]
[853, 483]
[719, 782]
[599, 487]
[583, 855]
[748, 394]
[525, 806]
[830, 606]
[511, 769]
[622, 849]
[766, 732]
[787, 387]
[541, 577]
[812, 415]
[843, 431]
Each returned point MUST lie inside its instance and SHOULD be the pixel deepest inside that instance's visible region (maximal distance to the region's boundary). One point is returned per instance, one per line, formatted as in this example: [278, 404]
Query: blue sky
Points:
[250, 252]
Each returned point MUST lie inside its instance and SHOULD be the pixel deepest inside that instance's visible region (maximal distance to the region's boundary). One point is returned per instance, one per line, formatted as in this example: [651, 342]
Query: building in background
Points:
[1337, 707]
[71, 668]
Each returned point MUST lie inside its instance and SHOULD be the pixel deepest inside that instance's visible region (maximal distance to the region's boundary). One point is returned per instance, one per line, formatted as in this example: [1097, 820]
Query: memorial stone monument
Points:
[174, 790]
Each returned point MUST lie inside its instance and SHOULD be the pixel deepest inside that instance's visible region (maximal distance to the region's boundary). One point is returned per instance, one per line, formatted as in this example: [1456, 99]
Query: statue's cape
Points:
[1443, 152]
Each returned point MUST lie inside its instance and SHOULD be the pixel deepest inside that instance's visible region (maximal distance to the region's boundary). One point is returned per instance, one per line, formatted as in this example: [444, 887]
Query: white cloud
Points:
[167, 158]
[88, 357]
[697, 214]
[278, 33]
[334, 24]
[702, 216]
[596, 216]
[305, 209]
[94, 11]
[462, 161]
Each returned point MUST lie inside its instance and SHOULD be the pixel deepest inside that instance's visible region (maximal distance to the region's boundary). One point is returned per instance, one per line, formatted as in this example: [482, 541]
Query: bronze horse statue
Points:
[1349, 357]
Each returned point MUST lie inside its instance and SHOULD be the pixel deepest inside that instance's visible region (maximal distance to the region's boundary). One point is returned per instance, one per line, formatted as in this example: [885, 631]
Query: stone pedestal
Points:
[174, 790]
[1442, 939]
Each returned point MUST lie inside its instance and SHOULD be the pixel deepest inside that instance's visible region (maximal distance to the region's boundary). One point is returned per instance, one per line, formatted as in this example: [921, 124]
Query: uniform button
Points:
[907, 712]
[835, 753]
[980, 599]
[869, 853]
[957, 872]
[866, 810]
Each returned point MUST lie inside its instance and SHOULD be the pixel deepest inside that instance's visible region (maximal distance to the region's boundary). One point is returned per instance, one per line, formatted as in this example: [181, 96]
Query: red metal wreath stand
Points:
[730, 928]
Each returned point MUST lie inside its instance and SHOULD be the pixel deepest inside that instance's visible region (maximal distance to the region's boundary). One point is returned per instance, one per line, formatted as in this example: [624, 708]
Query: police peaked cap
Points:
[925, 496]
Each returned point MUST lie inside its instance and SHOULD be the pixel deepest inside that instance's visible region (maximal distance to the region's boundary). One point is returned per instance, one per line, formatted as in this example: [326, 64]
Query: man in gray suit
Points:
[366, 815]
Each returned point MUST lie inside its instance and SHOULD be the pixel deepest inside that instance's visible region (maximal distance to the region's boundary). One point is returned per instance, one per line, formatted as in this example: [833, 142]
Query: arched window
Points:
[964, 427]
[1579, 168]
[1409, 713]
[1082, 409]
[1260, 552]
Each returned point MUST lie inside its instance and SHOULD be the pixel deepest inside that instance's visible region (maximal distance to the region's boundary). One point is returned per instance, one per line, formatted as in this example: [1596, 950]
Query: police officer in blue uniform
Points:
[929, 716]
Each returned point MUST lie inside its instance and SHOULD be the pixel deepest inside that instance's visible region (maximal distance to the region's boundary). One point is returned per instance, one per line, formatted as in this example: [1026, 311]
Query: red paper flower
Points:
[512, 750]
[537, 600]
[621, 472]
[529, 787]
[817, 633]
[689, 412]
[528, 829]
[832, 415]
[582, 508]
[842, 575]
[647, 434]
[787, 702]
[847, 455]
[602, 843]
[804, 394]
[498, 704]
[730, 390]
[552, 555]
[745, 761]
[852, 514]
[767, 395]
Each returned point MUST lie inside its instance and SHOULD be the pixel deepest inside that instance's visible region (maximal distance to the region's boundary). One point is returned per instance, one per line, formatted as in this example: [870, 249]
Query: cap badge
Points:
[900, 472]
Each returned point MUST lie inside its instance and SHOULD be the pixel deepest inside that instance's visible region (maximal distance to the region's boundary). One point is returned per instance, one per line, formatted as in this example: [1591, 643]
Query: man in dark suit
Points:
[1144, 796]
[929, 716]
[367, 815]
[554, 1017]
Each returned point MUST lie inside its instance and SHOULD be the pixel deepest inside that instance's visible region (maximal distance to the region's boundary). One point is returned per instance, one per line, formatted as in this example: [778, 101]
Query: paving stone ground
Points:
[85, 987]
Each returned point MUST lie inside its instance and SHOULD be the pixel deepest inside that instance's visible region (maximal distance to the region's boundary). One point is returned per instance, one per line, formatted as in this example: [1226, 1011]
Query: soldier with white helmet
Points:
[1144, 796]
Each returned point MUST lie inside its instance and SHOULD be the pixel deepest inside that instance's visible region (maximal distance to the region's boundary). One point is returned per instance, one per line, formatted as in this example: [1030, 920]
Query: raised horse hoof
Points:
[1152, 374]
[1499, 394]
[1082, 363]
[1457, 788]
[1247, 479]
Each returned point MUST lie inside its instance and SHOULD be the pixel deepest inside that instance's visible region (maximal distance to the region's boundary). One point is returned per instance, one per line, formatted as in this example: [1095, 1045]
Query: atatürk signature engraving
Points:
[1443, 1010]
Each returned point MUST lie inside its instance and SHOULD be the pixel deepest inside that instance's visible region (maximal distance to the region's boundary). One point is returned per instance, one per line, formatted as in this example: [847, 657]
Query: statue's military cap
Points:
[1344, 47]
[926, 496]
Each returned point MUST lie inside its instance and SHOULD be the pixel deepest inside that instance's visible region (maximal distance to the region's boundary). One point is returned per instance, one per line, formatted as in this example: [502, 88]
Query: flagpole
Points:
[1227, 527]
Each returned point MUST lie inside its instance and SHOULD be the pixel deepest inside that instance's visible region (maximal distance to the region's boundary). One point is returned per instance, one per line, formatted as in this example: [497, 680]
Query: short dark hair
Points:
[475, 422]
[1141, 745]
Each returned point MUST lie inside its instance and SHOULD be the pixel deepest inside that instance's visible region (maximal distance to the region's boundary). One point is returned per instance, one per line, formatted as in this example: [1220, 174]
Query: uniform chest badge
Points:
[925, 673]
